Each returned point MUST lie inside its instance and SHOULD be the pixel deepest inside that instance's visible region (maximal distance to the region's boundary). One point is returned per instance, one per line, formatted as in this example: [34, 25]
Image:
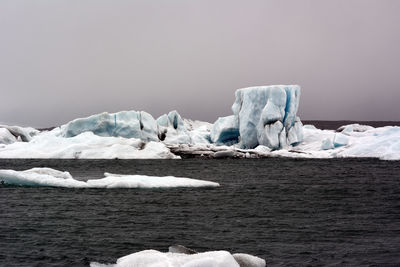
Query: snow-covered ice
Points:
[382, 143]
[54, 178]
[154, 258]
[86, 145]
[25, 134]
[6, 137]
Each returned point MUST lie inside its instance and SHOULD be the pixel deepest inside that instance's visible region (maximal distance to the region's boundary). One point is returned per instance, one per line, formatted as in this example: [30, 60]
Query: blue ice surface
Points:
[340, 140]
[127, 124]
[267, 116]
[225, 130]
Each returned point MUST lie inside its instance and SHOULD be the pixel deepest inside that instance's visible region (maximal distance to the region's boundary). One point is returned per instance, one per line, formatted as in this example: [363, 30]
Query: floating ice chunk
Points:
[258, 109]
[54, 178]
[246, 260]
[143, 181]
[225, 130]
[127, 124]
[327, 144]
[40, 177]
[6, 137]
[156, 258]
[340, 140]
[184, 257]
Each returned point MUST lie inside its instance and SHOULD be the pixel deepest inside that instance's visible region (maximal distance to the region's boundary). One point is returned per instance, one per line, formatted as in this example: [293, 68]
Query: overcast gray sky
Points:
[64, 59]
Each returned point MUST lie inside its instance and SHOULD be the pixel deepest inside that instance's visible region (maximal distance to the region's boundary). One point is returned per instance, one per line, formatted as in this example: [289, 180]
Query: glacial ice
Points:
[340, 140]
[25, 134]
[382, 142]
[263, 124]
[156, 258]
[54, 178]
[225, 130]
[172, 129]
[354, 128]
[127, 124]
[6, 137]
[86, 145]
[327, 144]
[267, 116]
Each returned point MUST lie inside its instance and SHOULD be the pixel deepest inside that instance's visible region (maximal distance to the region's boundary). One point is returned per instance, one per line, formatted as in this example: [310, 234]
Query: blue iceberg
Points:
[263, 115]
[127, 124]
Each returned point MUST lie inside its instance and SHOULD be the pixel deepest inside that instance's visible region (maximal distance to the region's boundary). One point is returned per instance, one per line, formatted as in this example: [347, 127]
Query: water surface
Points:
[291, 212]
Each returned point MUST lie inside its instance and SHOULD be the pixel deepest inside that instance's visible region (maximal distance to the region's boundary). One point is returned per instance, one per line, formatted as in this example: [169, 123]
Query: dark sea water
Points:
[291, 212]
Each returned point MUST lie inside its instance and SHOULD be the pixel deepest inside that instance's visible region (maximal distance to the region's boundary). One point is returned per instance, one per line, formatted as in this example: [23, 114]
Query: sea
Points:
[290, 212]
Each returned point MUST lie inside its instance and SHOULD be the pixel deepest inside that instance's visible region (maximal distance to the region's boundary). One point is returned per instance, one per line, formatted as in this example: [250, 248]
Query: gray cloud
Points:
[65, 59]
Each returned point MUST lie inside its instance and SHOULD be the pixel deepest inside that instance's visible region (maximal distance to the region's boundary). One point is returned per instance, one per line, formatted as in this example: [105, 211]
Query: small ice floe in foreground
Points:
[53, 178]
[179, 256]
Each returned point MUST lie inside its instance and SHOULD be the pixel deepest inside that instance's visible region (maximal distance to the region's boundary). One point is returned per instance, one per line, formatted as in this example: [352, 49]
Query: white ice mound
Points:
[6, 137]
[85, 146]
[144, 181]
[127, 124]
[265, 115]
[383, 143]
[24, 134]
[54, 178]
[156, 258]
[40, 177]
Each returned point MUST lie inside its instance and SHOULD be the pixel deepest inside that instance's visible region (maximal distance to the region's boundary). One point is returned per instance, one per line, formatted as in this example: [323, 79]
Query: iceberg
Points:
[53, 178]
[264, 124]
[264, 115]
[127, 124]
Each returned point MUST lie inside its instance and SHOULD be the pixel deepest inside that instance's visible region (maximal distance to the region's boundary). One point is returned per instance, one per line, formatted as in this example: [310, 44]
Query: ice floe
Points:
[38, 177]
[183, 257]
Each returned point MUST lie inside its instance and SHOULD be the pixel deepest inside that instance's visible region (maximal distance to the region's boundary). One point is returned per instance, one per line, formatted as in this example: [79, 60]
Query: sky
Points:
[65, 59]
